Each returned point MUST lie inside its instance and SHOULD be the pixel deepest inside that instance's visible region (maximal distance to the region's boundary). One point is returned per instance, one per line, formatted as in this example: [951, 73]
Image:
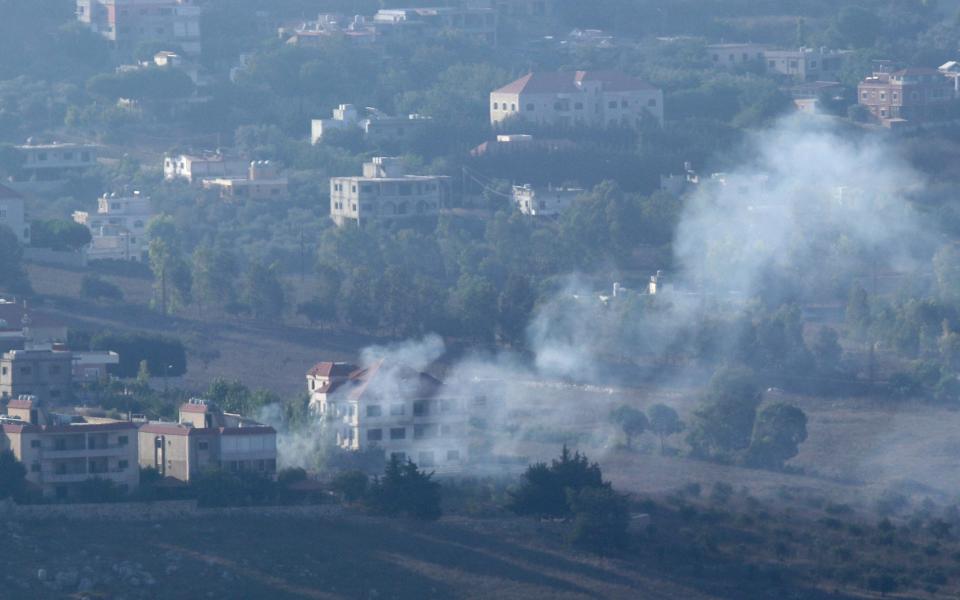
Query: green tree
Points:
[723, 425]
[214, 273]
[12, 476]
[59, 234]
[631, 420]
[514, 307]
[544, 489]
[780, 429]
[405, 490]
[13, 277]
[96, 288]
[664, 421]
[263, 292]
[600, 519]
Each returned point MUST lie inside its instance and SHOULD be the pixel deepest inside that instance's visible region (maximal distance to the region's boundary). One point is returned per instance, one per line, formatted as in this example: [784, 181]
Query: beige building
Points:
[543, 202]
[393, 407]
[46, 375]
[263, 182]
[385, 191]
[207, 438]
[577, 98]
[199, 167]
[60, 452]
[119, 228]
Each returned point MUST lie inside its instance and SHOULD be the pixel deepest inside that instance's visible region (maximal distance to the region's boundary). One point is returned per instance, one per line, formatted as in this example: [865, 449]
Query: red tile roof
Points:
[18, 403]
[567, 82]
[332, 369]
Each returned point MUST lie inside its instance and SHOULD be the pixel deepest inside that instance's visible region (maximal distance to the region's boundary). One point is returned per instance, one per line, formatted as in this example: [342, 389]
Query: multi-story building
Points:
[56, 161]
[908, 94]
[356, 30]
[61, 452]
[119, 227]
[806, 64]
[13, 214]
[477, 22]
[385, 191]
[44, 374]
[207, 438]
[393, 407]
[733, 55]
[543, 202]
[577, 98]
[130, 23]
[378, 127]
[205, 166]
[263, 182]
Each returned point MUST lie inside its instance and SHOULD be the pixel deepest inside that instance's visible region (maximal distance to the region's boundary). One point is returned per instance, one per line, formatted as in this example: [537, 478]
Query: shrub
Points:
[94, 288]
[351, 485]
[600, 520]
[544, 488]
[405, 490]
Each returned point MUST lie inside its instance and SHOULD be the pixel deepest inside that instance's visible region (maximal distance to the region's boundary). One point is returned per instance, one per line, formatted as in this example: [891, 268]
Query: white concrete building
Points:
[543, 202]
[378, 127]
[393, 407]
[951, 70]
[577, 98]
[119, 227]
[385, 191]
[732, 55]
[56, 161]
[13, 214]
[806, 64]
[204, 166]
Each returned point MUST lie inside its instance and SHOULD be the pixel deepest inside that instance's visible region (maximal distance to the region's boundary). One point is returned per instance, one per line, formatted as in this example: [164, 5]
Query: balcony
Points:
[111, 450]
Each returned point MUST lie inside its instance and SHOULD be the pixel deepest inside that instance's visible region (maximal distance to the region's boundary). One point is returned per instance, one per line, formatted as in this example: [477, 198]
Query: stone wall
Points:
[154, 511]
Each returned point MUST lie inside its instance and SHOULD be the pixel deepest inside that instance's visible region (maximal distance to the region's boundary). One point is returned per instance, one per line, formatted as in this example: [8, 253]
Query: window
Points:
[34, 443]
[398, 433]
[122, 465]
[578, 106]
[513, 107]
[652, 102]
[863, 95]
[623, 104]
[374, 410]
[123, 440]
[453, 456]
[398, 410]
[203, 445]
[793, 64]
[496, 105]
[426, 459]
[4, 370]
[424, 432]
[374, 435]
[54, 369]
[421, 408]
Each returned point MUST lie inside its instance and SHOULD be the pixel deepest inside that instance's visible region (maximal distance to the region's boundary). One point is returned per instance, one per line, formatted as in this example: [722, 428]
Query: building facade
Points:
[734, 55]
[580, 98]
[378, 127]
[13, 214]
[53, 162]
[543, 202]
[46, 375]
[129, 23]
[385, 191]
[118, 228]
[907, 94]
[806, 64]
[263, 182]
[61, 452]
[199, 167]
[398, 409]
[207, 438]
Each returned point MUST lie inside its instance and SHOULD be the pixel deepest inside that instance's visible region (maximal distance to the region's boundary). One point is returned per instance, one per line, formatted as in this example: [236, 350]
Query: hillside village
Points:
[648, 299]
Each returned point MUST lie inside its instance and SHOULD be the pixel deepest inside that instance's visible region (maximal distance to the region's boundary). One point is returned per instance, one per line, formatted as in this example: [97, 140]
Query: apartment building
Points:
[806, 64]
[130, 23]
[46, 375]
[208, 165]
[207, 438]
[61, 452]
[263, 182]
[377, 127]
[543, 202]
[13, 214]
[385, 191]
[118, 228]
[904, 95]
[577, 98]
[55, 161]
[405, 412]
